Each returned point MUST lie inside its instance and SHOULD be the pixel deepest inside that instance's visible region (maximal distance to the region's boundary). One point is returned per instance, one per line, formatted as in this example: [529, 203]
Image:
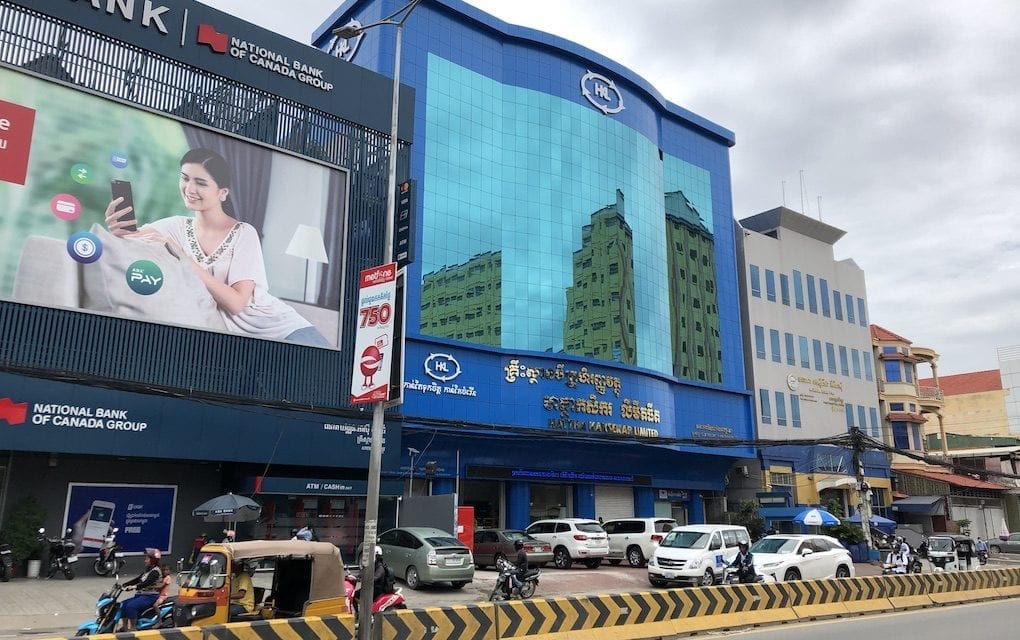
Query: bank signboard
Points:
[567, 395]
[58, 417]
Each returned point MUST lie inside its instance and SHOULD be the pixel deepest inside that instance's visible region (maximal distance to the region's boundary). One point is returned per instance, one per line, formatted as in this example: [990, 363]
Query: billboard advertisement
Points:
[376, 312]
[110, 209]
[142, 513]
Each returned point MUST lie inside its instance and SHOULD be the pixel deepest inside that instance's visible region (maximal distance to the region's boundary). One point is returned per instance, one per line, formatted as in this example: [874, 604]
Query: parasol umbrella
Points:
[230, 508]
[816, 517]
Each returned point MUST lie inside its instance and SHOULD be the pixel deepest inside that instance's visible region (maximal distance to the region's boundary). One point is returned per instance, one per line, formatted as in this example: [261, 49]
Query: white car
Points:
[573, 539]
[635, 539]
[801, 557]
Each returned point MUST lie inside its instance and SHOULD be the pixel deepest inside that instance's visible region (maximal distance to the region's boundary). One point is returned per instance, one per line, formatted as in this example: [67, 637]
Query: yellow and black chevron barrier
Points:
[629, 616]
[463, 622]
[312, 628]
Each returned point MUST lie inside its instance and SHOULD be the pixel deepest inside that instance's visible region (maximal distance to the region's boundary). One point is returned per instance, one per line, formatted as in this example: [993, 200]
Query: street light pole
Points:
[367, 561]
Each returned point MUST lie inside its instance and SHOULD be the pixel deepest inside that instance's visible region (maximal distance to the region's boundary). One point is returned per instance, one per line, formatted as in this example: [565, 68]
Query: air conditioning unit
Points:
[743, 471]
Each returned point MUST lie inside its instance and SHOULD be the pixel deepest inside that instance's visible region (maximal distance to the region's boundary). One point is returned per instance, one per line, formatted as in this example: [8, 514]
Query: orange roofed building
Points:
[974, 404]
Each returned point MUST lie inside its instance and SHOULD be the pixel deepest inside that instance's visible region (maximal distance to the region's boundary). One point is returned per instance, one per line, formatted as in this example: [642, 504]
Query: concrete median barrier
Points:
[630, 616]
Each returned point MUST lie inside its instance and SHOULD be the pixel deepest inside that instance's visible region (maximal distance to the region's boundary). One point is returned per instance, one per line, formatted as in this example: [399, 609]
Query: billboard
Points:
[143, 515]
[110, 209]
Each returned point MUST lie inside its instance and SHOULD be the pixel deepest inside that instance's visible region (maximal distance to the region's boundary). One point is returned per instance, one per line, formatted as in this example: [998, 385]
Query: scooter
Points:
[982, 557]
[504, 590]
[109, 609]
[382, 602]
[6, 562]
[109, 562]
[62, 554]
[731, 575]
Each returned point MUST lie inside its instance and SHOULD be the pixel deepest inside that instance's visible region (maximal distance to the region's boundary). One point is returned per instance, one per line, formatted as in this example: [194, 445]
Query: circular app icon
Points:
[144, 277]
[81, 173]
[65, 206]
[119, 159]
[84, 247]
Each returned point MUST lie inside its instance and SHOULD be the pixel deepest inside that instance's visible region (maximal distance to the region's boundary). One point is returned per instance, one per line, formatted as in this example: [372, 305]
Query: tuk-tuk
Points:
[307, 580]
[950, 552]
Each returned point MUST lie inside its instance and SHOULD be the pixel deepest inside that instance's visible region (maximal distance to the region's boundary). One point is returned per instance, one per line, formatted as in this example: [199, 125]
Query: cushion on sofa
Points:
[181, 299]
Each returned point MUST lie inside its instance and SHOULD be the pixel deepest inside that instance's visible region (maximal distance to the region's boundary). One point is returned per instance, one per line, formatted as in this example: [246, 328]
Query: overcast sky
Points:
[898, 122]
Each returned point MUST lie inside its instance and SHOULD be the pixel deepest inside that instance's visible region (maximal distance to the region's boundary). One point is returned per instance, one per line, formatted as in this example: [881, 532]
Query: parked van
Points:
[695, 554]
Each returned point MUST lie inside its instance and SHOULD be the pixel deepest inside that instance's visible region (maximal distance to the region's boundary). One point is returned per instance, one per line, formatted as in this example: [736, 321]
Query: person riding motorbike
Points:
[896, 561]
[383, 577]
[981, 548]
[744, 563]
[148, 585]
[521, 563]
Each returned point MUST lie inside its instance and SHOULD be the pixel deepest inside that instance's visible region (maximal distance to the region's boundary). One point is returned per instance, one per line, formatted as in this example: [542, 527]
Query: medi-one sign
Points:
[373, 343]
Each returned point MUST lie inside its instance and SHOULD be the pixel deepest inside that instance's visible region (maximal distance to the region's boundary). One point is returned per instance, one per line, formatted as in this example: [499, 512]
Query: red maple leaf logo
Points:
[207, 34]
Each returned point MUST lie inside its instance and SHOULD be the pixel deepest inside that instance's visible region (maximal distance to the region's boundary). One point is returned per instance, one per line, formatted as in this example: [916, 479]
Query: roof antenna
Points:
[819, 208]
[802, 191]
[783, 183]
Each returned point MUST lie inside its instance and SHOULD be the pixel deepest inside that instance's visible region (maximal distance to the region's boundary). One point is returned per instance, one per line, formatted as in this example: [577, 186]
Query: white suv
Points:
[573, 539]
[635, 539]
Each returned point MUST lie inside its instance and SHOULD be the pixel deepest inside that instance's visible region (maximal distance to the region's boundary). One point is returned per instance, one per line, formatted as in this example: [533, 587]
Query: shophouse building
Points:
[573, 343]
[810, 367]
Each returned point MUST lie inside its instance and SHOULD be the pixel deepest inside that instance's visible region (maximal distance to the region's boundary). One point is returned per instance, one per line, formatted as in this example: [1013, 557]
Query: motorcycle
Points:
[109, 609]
[982, 557]
[109, 562]
[914, 565]
[6, 562]
[731, 575]
[382, 602]
[62, 555]
[503, 589]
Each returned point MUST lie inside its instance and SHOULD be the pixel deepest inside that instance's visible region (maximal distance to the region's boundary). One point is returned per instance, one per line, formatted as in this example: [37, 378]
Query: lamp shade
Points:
[307, 243]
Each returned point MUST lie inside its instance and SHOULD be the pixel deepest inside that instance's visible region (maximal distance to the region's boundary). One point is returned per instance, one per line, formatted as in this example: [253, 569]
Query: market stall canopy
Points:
[924, 505]
[228, 508]
[816, 517]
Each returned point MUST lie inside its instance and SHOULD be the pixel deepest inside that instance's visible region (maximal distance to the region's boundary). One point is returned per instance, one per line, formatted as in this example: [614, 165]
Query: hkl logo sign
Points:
[13, 412]
[442, 367]
[601, 92]
[346, 48]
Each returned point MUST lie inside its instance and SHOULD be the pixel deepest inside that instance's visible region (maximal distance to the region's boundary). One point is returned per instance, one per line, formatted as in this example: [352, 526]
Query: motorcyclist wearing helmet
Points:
[520, 563]
[148, 585]
[743, 562]
[383, 576]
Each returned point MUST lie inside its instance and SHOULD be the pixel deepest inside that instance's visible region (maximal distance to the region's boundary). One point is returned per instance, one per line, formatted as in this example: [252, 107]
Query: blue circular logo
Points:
[119, 159]
[84, 247]
[144, 277]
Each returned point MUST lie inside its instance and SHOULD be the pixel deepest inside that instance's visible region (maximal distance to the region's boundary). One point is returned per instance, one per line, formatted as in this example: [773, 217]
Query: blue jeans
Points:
[309, 336]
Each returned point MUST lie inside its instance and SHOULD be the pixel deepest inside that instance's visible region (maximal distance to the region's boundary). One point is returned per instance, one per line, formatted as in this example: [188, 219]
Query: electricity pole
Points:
[863, 489]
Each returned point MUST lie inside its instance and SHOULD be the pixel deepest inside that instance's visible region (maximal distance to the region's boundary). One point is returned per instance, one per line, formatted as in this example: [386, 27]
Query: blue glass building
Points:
[573, 316]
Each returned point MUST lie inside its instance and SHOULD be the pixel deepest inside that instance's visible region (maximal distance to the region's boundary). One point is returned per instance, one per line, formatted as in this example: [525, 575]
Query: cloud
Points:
[901, 116]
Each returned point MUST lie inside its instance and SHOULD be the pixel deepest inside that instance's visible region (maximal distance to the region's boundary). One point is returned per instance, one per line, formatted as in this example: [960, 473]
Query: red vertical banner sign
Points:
[373, 342]
[16, 125]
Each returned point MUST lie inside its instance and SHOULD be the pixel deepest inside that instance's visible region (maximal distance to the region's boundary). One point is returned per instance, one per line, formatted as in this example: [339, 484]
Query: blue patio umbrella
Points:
[816, 517]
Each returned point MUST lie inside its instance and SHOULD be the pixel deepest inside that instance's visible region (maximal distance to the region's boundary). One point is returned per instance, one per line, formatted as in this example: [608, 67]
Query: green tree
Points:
[21, 530]
[749, 517]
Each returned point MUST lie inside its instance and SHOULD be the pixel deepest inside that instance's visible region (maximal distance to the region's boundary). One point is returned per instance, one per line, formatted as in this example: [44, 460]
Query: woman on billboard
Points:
[225, 253]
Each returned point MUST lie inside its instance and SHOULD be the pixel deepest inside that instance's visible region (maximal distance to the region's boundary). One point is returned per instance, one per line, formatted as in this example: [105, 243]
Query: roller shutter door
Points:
[612, 502]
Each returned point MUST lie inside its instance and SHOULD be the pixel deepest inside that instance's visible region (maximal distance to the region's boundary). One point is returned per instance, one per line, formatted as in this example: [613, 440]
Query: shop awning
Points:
[922, 505]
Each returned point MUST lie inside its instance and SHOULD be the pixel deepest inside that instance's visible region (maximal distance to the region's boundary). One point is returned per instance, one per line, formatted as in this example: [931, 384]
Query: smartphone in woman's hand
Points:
[122, 189]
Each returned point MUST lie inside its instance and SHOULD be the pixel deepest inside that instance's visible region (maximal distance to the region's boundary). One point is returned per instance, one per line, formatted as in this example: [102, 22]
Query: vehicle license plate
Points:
[72, 558]
[455, 562]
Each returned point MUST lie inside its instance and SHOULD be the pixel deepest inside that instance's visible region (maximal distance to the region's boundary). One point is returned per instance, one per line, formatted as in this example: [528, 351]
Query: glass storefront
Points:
[336, 519]
[486, 498]
[550, 501]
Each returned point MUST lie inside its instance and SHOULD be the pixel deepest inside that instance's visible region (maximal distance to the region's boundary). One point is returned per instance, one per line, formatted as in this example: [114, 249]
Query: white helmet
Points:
[378, 551]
